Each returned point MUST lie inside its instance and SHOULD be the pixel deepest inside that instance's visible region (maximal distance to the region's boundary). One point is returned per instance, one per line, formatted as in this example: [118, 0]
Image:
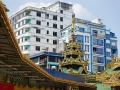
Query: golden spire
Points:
[72, 29]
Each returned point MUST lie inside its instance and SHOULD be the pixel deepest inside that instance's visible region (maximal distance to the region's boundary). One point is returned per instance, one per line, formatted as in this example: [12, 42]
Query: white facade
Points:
[37, 29]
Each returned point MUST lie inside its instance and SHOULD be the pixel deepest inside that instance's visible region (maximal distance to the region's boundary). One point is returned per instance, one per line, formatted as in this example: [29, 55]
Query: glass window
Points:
[81, 29]
[47, 23]
[18, 32]
[54, 33]
[54, 17]
[95, 31]
[61, 11]
[61, 26]
[38, 22]
[47, 40]
[37, 48]
[37, 39]
[87, 48]
[100, 68]
[46, 16]
[87, 39]
[61, 18]
[21, 47]
[107, 36]
[108, 54]
[47, 32]
[54, 25]
[38, 30]
[38, 14]
[54, 41]
[54, 50]
[86, 56]
[107, 45]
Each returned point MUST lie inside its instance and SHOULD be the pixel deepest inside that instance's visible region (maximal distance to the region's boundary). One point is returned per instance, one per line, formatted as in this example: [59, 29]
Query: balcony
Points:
[95, 53]
[113, 47]
[108, 58]
[27, 12]
[95, 35]
[27, 21]
[97, 45]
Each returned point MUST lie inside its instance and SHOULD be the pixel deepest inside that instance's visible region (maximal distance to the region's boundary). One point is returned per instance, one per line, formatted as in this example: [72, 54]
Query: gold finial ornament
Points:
[73, 62]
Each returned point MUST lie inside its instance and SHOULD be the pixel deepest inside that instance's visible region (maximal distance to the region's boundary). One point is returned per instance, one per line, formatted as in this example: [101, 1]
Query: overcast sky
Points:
[108, 10]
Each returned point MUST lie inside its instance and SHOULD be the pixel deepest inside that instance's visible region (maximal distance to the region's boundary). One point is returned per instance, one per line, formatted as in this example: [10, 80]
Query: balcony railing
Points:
[98, 35]
[95, 52]
[113, 47]
[94, 43]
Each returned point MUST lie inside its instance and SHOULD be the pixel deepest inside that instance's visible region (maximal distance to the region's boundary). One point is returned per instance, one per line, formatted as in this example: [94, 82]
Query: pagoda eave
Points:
[74, 63]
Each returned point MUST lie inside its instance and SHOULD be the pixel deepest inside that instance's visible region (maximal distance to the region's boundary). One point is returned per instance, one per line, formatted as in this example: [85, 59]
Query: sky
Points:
[108, 10]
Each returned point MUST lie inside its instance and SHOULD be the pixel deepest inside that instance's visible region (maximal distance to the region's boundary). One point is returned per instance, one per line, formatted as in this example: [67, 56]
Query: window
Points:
[37, 39]
[79, 38]
[47, 40]
[46, 16]
[100, 68]
[61, 18]
[18, 32]
[18, 24]
[87, 48]
[47, 23]
[22, 31]
[97, 42]
[61, 11]
[54, 17]
[38, 30]
[22, 39]
[54, 41]
[38, 14]
[23, 22]
[21, 47]
[37, 48]
[100, 42]
[38, 22]
[108, 54]
[81, 29]
[54, 33]
[87, 39]
[107, 36]
[107, 45]
[47, 32]
[54, 25]
[86, 56]
[54, 50]
[61, 26]
[95, 31]
[100, 59]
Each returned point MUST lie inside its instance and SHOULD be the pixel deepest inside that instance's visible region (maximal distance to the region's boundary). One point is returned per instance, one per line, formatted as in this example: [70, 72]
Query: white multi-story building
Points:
[37, 29]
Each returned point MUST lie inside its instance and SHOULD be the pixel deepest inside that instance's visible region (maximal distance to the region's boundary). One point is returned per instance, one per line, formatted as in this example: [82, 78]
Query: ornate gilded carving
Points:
[8, 80]
[113, 80]
[73, 56]
[1, 78]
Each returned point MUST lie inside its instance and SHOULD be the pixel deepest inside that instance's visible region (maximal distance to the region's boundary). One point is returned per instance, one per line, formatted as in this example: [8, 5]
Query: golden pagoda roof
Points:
[112, 68]
[12, 58]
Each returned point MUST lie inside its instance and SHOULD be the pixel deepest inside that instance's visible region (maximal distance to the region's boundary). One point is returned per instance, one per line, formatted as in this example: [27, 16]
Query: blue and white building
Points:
[99, 43]
[47, 60]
